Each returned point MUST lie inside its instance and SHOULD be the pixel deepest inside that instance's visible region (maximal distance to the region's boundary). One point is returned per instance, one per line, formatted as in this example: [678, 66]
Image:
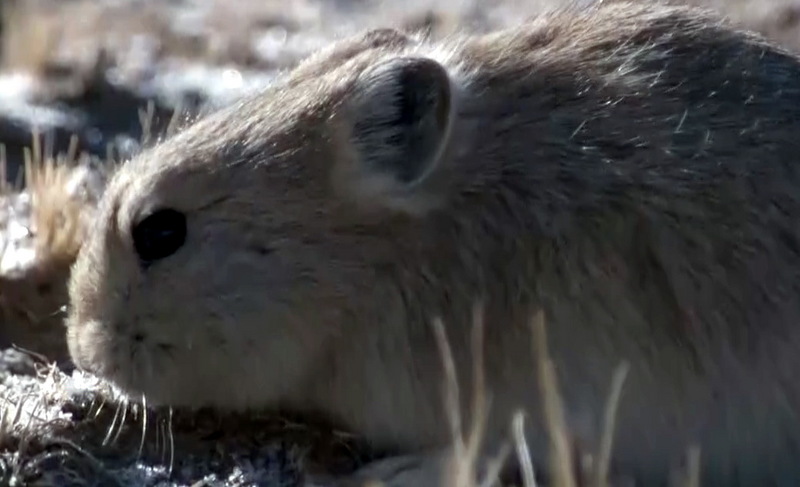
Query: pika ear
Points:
[400, 116]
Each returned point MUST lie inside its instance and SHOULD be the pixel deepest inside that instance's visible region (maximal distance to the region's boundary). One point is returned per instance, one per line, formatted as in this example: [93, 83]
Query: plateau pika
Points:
[629, 169]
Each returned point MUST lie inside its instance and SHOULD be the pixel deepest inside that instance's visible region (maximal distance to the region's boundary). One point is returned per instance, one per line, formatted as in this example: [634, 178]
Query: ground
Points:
[83, 85]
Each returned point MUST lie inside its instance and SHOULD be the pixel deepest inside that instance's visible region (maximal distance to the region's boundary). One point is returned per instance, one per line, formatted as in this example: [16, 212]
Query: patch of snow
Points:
[277, 46]
[219, 84]
[16, 91]
[16, 86]
[16, 240]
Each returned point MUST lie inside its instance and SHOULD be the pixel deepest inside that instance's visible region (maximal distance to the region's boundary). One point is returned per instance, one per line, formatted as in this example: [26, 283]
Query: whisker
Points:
[523, 452]
[122, 421]
[111, 427]
[171, 442]
[144, 426]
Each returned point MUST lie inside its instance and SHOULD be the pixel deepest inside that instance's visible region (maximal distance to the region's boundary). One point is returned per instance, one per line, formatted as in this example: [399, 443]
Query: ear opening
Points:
[400, 113]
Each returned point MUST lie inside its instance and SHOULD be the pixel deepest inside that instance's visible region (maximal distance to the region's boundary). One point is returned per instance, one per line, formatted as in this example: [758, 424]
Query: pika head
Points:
[225, 261]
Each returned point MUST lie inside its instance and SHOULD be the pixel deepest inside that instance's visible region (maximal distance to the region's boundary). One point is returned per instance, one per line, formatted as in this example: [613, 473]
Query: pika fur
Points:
[629, 169]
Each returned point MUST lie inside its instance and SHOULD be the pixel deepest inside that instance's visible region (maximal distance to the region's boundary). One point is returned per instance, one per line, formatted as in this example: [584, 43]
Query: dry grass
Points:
[461, 470]
[78, 430]
[57, 40]
[57, 215]
[33, 293]
[42, 35]
[464, 461]
[29, 38]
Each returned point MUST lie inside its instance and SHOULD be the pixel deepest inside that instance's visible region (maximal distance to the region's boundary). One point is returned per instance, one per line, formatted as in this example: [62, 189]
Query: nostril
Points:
[86, 367]
[138, 337]
[79, 362]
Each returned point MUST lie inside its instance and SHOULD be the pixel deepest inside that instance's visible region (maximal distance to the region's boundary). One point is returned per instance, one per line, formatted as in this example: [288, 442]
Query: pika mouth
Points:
[140, 363]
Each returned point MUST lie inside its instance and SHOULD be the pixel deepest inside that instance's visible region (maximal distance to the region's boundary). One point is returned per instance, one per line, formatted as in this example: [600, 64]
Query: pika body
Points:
[630, 170]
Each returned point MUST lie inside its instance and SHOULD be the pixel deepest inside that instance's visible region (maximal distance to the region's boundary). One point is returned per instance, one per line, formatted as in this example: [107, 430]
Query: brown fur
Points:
[626, 168]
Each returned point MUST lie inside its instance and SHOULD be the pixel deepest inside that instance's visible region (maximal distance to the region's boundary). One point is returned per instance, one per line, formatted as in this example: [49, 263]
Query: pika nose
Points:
[75, 349]
[79, 363]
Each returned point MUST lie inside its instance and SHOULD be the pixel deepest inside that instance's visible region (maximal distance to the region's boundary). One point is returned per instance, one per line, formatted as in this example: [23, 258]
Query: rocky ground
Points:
[83, 86]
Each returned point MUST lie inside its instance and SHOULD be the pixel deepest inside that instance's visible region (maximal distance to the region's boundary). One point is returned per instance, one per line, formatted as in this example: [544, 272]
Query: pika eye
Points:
[159, 235]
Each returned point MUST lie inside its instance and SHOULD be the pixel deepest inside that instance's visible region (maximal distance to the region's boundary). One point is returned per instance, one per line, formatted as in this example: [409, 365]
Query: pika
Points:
[631, 170]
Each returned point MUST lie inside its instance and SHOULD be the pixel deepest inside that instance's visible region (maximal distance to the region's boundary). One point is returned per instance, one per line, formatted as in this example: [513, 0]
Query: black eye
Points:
[159, 235]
